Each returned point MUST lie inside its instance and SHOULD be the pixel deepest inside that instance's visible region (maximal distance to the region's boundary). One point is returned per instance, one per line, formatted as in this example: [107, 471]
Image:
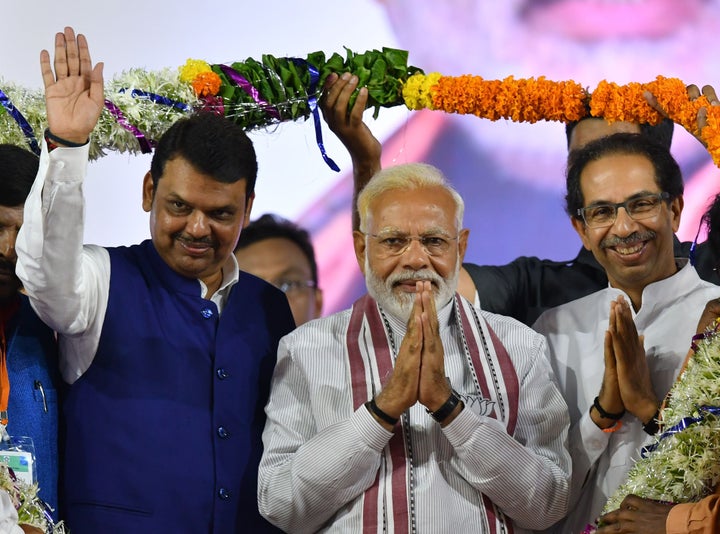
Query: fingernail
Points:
[354, 80]
[345, 76]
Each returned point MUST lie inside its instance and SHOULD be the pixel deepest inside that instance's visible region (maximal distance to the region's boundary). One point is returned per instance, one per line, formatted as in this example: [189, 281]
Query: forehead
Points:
[615, 177]
[181, 178]
[589, 130]
[273, 257]
[413, 210]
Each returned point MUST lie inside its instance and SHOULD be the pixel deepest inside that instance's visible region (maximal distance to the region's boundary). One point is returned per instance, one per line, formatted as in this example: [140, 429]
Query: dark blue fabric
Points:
[33, 369]
[164, 428]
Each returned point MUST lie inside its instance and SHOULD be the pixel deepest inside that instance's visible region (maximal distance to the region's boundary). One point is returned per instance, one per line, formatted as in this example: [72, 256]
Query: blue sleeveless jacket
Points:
[164, 428]
[34, 382]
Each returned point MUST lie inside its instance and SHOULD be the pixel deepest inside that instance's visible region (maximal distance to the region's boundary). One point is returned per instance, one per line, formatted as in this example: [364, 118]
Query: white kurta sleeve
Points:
[66, 282]
[526, 475]
[8, 515]
[306, 476]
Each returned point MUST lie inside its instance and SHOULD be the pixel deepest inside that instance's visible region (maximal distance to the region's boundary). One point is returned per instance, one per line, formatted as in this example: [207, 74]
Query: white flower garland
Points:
[148, 117]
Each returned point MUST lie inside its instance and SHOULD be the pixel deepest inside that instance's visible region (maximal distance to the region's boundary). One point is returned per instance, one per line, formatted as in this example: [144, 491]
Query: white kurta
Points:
[575, 331]
[321, 454]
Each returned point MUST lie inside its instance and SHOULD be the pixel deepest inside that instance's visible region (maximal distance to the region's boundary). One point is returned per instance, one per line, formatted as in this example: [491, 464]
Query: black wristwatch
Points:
[447, 408]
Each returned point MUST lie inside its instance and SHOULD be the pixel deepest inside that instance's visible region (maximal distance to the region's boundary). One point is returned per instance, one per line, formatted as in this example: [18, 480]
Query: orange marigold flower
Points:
[711, 133]
[520, 100]
[206, 84]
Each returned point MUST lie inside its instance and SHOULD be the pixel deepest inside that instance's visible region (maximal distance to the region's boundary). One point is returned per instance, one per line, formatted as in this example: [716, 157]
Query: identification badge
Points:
[19, 454]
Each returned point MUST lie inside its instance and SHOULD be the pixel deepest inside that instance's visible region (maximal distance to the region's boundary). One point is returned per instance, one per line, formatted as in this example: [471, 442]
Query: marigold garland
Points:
[256, 94]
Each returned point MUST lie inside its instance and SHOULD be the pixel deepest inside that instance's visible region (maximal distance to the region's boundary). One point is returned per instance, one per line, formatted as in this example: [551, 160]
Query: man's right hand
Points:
[401, 390]
[74, 96]
[365, 150]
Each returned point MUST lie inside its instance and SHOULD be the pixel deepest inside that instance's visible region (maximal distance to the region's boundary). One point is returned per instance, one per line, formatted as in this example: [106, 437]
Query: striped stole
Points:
[386, 504]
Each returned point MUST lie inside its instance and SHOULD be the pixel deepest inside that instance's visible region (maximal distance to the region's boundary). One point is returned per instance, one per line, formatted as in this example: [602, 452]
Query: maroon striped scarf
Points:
[371, 363]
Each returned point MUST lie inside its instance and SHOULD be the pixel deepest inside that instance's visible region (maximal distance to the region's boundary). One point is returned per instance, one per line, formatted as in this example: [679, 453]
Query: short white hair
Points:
[408, 176]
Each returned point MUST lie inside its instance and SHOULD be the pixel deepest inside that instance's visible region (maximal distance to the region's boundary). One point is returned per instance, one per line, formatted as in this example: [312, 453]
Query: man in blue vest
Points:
[168, 347]
[28, 351]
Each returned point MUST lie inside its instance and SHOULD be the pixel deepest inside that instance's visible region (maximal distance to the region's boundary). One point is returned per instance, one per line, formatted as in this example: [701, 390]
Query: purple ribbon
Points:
[246, 86]
[146, 145]
[313, 105]
[158, 99]
[21, 121]
[684, 423]
[703, 335]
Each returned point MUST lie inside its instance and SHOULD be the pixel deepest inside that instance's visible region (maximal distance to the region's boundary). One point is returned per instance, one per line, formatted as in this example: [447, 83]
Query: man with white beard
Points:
[413, 411]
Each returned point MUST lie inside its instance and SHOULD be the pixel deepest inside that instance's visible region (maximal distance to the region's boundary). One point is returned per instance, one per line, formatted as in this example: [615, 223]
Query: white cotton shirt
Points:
[320, 454]
[8, 515]
[68, 283]
[575, 331]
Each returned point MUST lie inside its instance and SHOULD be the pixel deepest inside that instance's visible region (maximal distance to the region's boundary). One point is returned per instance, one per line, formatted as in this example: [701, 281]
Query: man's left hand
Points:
[636, 516]
[434, 389]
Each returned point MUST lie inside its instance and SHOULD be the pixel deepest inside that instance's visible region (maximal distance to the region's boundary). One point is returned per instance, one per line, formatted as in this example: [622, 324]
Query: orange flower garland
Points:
[535, 99]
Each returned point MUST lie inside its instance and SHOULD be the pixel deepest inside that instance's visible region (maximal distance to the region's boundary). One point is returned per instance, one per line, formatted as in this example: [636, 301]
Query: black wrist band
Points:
[373, 409]
[606, 415]
[652, 426]
[446, 409]
[60, 141]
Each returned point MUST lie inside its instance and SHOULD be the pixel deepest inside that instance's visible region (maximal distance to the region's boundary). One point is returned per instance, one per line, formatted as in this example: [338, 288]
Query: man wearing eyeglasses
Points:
[280, 252]
[413, 411]
[624, 196]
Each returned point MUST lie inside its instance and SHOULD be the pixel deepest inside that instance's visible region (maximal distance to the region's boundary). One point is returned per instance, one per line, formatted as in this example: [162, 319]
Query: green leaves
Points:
[285, 83]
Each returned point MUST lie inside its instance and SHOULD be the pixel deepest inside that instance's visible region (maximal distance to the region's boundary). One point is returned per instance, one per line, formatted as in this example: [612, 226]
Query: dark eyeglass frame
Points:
[661, 197]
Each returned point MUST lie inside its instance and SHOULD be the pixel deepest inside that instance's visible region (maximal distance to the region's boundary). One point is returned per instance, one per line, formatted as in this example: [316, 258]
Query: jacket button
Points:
[222, 374]
[222, 433]
[224, 494]
[206, 313]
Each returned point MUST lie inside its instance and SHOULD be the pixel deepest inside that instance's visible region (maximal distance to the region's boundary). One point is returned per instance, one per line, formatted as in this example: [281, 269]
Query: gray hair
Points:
[408, 176]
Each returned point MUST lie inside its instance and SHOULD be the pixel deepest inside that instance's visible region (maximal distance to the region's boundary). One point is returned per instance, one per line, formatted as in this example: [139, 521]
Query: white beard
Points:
[400, 304]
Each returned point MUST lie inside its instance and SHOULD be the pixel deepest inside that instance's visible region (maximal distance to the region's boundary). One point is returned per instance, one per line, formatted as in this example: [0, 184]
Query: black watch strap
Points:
[447, 408]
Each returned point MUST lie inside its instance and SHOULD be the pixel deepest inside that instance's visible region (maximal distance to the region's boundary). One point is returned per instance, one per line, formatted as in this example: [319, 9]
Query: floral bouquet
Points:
[30, 508]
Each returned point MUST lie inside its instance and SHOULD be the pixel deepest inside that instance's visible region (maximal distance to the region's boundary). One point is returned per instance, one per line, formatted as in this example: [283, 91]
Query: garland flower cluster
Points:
[30, 508]
[683, 463]
[141, 105]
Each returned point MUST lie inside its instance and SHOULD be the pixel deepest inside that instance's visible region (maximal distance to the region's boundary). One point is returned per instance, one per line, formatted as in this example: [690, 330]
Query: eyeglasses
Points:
[290, 287]
[396, 244]
[638, 208]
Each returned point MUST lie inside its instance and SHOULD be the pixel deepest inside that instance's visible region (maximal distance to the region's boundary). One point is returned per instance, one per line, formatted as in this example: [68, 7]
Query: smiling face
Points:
[195, 221]
[11, 219]
[633, 253]
[391, 278]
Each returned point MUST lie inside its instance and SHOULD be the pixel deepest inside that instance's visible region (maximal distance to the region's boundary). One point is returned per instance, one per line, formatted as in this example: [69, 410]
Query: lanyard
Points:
[5, 314]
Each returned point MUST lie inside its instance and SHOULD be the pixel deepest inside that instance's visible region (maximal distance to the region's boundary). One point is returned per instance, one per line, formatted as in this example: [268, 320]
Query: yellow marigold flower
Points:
[417, 90]
[192, 68]
[206, 84]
